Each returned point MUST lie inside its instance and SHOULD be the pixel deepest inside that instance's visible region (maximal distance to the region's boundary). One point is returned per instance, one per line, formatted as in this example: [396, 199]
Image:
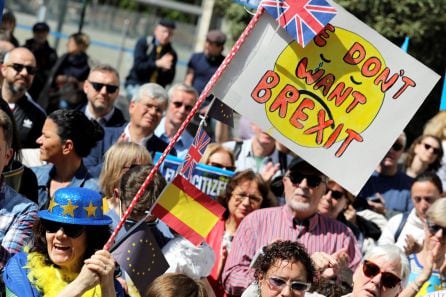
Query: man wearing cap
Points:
[331, 244]
[102, 90]
[154, 59]
[17, 213]
[202, 66]
[45, 55]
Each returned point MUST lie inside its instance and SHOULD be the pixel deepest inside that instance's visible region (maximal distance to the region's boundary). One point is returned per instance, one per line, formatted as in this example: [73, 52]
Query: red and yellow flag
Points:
[187, 210]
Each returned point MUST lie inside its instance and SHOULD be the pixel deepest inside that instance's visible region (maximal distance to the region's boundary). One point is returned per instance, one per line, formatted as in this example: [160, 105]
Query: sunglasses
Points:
[178, 104]
[110, 89]
[19, 67]
[277, 284]
[70, 230]
[397, 146]
[312, 180]
[435, 150]
[433, 228]
[428, 199]
[218, 165]
[335, 194]
[388, 279]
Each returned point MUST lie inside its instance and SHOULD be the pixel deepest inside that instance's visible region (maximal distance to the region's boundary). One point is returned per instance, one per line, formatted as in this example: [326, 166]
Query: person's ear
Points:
[67, 147]
[9, 153]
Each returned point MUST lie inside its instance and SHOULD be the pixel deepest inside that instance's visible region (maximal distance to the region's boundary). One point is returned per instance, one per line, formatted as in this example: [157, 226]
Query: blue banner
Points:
[209, 179]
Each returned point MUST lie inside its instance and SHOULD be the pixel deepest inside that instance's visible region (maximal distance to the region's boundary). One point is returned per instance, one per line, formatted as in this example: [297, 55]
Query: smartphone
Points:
[374, 199]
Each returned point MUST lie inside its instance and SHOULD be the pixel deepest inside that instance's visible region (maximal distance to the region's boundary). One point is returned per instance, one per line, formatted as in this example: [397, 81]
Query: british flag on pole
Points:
[302, 19]
[195, 152]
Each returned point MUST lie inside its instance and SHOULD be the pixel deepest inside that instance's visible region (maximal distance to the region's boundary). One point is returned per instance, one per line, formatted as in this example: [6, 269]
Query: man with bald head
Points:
[18, 71]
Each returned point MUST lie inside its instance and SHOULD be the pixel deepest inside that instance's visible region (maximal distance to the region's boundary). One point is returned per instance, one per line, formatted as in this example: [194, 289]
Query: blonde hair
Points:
[213, 148]
[436, 212]
[437, 125]
[118, 157]
[176, 285]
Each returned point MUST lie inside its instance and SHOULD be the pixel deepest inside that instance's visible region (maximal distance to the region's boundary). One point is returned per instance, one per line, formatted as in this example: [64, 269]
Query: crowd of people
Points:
[287, 229]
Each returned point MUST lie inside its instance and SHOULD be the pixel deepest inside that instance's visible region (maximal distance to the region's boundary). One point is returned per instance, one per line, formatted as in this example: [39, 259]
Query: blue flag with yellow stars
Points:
[139, 256]
[221, 112]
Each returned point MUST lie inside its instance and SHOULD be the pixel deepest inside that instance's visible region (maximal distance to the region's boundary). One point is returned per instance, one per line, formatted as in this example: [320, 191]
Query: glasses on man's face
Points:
[277, 284]
[253, 199]
[428, 147]
[388, 279]
[428, 199]
[312, 180]
[70, 230]
[178, 104]
[110, 89]
[397, 146]
[218, 165]
[19, 67]
[335, 194]
[433, 228]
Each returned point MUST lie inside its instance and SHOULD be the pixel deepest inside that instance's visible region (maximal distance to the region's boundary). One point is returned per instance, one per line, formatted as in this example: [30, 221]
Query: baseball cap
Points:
[216, 36]
[300, 165]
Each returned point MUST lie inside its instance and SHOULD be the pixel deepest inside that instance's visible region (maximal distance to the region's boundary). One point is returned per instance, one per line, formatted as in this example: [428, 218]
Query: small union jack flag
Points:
[302, 19]
[195, 152]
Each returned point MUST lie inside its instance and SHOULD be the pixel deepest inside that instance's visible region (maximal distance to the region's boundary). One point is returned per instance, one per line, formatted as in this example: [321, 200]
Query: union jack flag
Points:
[195, 152]
[302, 19]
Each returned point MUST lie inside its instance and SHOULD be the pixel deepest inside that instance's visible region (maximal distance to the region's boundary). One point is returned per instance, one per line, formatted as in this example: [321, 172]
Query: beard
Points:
[299, 205]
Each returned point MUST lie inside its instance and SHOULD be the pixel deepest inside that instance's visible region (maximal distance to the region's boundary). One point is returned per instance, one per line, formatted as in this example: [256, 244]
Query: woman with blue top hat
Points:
[66, 257]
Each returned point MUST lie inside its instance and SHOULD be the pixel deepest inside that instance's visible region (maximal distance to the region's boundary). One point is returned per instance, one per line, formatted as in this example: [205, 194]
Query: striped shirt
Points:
[267, 225]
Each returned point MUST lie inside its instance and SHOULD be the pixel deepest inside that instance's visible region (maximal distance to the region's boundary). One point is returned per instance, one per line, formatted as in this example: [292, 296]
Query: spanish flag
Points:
[187, 210]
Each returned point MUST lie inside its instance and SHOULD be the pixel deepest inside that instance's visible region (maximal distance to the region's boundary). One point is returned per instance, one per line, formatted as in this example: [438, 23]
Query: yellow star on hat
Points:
[52, 205]
[91, 210]
[69, 209]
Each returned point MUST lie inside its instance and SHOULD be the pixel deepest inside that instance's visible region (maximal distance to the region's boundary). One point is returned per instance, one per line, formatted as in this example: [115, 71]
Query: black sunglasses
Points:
[435, 150]
[19, 67]
[98, 87]
[335, 194]
[70, 230]
[397, 146]
[178, 104]
[388, 279]
[218, 165]
[312, 180]
[433, 228]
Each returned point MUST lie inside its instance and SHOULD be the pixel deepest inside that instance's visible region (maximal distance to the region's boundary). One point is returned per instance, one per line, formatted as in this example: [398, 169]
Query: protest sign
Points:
[339, 103]
[209, 179]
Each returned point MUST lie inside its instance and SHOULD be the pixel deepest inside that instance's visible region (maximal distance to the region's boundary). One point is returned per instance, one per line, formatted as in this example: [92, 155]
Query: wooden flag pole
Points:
[183, 126]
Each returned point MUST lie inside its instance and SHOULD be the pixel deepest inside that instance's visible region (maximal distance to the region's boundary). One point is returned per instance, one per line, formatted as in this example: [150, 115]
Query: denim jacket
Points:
[45, 173]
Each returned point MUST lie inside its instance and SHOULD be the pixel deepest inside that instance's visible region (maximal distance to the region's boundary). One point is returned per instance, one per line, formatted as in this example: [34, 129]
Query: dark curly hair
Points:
[284, 251]
[74, 125]
[97, 236]
[237, 179]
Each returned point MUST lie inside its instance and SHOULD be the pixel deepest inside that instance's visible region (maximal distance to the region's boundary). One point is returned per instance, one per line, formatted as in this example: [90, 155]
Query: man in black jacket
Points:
[18, 70]
[154, 59]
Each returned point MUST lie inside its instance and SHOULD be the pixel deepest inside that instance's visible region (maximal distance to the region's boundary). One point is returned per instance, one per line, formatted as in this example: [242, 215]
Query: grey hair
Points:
[403, 138]
[436, 212]
[105, 68]
[151, 90]
[391, 253]
[182, 87]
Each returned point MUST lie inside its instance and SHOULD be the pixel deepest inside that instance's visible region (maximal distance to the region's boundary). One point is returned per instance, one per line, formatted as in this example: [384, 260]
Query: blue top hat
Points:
[78, 206]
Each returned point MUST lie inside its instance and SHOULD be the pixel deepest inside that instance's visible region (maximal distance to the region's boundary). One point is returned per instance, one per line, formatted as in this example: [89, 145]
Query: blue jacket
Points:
[94, 160]
[44, 174]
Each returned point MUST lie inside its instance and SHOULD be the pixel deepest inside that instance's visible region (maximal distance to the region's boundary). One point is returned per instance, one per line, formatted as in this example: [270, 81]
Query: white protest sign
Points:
[339, 103]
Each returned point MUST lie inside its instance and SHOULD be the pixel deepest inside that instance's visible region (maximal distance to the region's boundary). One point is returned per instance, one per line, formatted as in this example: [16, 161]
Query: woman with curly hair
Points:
[424, 155]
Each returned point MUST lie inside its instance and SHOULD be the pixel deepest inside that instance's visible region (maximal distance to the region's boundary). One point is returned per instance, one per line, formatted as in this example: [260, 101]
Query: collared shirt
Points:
[104, 118]
[184, 141]
[143, 141]
[17, 216]
[264, 226]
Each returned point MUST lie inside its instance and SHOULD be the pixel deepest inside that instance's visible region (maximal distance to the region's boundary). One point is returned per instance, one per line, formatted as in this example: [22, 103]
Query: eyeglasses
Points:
[70, 230]
[215, 164]
[335, 194]
[178, 104]
[388, 279]
[428, 199]
[253, 199]
[435, 150]
[433, 228]
[312, 180]
[277, 284]
[19, 67]
[397, 146]
[110, 89]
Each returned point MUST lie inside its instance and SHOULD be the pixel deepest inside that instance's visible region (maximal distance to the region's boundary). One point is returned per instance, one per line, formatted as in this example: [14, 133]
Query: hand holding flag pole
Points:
[183, 126]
